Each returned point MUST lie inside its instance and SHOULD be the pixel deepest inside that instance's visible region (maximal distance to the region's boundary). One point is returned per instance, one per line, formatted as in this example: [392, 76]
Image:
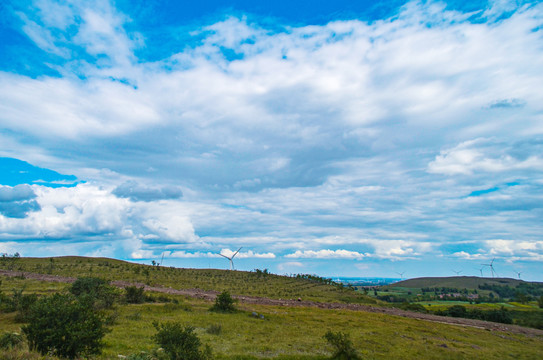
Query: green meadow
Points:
[281, 332]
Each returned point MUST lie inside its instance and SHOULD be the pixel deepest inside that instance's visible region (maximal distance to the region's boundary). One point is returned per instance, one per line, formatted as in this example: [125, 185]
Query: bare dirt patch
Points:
[210, 296]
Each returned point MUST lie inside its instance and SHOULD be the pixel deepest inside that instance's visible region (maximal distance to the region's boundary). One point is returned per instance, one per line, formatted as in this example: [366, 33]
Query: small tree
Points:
[180, 343]
[540, 301]
[344, 349]
[224, 303]
[97, 290]
[63, 326]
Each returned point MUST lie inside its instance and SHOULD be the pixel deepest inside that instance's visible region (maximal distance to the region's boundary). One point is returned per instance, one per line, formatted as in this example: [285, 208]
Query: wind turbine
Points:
[457, 272]
[518, 273]
[491, 266]
[481, 270]
[161, 260]
[401, 275]
[231, 258]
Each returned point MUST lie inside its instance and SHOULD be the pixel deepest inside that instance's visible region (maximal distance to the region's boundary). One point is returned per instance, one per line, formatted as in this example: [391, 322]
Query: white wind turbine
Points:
[231, 258]
[491, 266]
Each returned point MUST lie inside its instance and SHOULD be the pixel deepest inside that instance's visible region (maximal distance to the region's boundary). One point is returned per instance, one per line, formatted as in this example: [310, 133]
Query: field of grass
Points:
[298, 333]
[284, 333]
[236, 282]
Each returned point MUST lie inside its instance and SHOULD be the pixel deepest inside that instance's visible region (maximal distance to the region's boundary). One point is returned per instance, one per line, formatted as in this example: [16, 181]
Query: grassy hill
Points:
[236, 282]
[459, 282]
[281, 333]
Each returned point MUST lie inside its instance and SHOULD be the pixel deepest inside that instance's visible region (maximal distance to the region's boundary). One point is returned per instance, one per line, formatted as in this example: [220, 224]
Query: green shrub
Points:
[180, 342]
[23, 304]
[134, 295]
[98, 290]
[413, 307]
[540, 301]
[64, 326]
[224, 303]
[10, 341]
[343, 347]
[18, 302]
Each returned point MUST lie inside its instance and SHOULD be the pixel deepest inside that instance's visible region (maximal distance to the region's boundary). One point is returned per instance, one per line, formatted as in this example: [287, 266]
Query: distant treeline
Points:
[501, 315]
[508, 292]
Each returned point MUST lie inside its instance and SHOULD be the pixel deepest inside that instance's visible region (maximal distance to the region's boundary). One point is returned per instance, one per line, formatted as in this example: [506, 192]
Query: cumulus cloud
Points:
[482, 155]
[515, 250]
[89, 214]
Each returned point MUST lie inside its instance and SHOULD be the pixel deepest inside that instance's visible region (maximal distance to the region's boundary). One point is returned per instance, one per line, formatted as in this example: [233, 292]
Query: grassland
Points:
[236, 282]
[284, 332]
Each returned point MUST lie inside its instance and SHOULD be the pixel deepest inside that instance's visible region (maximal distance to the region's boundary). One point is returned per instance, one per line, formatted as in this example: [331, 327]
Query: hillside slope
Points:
[236, 282]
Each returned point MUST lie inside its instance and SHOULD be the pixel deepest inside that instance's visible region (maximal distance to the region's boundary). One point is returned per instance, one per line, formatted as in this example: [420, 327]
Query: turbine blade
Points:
[224, 256]
[236, 253]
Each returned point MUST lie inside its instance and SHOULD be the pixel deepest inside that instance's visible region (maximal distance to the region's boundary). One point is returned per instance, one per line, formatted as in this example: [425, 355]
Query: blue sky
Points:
[338, 138]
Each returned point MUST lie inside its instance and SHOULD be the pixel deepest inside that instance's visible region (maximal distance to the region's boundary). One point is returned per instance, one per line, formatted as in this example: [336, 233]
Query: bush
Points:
[180, 342]
[454, 311]
[134, 295]
[540, 301]
[63, 326]
[502, 316]
[97, 290]
[10, 341]
[413, 307]
[224, 303]
[344, 349]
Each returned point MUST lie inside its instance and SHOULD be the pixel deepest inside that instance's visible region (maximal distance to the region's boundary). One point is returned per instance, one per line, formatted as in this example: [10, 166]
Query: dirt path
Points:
[210, 296]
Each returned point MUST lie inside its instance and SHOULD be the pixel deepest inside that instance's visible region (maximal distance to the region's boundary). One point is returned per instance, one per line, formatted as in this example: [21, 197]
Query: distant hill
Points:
[459, 282]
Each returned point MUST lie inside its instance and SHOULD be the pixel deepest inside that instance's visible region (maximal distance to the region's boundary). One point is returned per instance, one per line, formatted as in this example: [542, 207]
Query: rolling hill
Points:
[459, 282]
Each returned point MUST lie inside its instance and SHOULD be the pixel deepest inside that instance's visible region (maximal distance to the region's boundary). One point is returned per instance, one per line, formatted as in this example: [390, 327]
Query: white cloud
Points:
[326, 254]
[467, 256]
[184, 254]
[312, 132]
[248, 254]
[515, 250]
[477, 156]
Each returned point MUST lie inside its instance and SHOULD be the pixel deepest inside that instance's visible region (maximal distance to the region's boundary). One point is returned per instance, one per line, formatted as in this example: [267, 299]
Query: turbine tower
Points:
[231, 258]
[518, 273]
[457, 272]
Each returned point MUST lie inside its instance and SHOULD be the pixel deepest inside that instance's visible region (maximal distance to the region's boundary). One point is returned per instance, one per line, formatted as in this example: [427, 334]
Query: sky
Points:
[345, 138]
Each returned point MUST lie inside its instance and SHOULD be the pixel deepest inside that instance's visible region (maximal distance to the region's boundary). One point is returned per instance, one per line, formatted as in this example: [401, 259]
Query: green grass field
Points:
[284, 333]
[236, 282]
